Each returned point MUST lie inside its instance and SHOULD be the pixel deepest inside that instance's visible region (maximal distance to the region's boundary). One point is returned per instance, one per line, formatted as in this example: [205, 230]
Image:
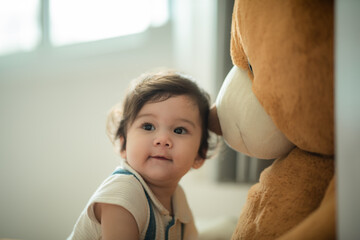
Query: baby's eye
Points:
[148, 127]
[180, 130]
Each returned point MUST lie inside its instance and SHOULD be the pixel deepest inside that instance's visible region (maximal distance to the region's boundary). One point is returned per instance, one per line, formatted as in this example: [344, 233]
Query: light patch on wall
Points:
[27, 25]
[83, 20]
[19, 30]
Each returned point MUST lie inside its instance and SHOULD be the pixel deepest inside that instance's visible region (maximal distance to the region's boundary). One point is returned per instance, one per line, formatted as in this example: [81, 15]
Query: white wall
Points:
[53, 105]
[347, 109]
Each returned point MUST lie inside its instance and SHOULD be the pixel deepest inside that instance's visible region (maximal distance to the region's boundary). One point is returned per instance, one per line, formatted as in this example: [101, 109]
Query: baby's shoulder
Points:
[120, 185]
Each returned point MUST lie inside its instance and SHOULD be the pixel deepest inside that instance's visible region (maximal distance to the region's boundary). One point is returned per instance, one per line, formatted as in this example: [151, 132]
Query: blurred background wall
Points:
[54, 101]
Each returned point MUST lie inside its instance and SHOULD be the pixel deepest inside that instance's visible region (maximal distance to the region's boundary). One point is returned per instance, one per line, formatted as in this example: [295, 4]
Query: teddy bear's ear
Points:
[245, 125]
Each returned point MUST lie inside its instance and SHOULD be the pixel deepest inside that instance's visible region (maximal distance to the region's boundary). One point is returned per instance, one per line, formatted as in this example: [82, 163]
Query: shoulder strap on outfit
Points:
[151, 230]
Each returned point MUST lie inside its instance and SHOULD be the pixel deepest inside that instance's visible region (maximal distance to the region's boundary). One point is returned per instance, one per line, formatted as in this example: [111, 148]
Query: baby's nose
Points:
[163, 140]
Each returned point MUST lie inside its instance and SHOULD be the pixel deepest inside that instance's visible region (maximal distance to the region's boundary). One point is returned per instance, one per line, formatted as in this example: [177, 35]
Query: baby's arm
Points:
[116, 222]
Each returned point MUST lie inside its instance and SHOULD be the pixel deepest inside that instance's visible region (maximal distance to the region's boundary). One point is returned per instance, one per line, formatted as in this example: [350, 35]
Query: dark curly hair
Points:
[157, 87]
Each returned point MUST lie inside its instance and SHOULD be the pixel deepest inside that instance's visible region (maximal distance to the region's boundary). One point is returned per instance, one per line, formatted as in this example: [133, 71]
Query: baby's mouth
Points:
[163, 158]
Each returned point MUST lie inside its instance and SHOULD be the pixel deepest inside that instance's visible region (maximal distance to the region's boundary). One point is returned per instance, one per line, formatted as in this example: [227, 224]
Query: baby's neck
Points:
[164, 195]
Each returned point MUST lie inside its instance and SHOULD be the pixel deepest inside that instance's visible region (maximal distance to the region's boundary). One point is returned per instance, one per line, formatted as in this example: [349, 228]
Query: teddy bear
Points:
[277, 102]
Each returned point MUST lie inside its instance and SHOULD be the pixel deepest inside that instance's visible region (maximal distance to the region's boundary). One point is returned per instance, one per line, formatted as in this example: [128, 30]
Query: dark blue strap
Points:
[170, 224]
[151, 230]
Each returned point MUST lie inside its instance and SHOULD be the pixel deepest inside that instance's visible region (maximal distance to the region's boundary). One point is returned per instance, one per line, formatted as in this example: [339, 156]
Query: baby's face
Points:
[163, 141]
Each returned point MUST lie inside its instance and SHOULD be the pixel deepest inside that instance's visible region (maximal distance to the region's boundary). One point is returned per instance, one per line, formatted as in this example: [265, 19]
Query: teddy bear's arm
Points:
[321, 223]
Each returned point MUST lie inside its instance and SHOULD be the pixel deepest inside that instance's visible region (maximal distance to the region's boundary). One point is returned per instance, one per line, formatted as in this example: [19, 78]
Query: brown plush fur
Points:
[320, 224]
[289, 45]
[288, 191]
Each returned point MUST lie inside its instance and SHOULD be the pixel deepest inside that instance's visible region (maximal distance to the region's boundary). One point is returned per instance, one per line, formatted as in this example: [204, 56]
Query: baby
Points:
[163, 133]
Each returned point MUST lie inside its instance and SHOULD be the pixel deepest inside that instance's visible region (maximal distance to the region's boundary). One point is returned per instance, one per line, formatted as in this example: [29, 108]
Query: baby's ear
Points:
[122, 150]
[199, 161]
[214, 123]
